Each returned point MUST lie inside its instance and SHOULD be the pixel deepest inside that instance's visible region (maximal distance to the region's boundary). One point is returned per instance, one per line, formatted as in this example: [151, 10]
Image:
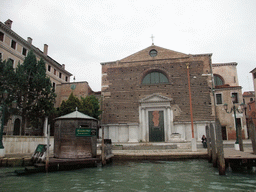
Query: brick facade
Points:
[122, 87]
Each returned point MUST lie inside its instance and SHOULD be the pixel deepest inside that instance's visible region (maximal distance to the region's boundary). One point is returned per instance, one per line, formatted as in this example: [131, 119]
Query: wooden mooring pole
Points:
[103, 156]
[208, 139]
[252, 134]
[219, 146]
[214, 156]
[48, 149]
[240, 139]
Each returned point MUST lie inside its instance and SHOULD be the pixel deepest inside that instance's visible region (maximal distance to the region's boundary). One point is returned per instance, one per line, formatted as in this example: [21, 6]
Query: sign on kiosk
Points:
[83, 132]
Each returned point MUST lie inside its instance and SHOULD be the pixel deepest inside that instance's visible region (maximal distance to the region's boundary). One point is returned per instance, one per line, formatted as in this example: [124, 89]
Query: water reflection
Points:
[191, 175]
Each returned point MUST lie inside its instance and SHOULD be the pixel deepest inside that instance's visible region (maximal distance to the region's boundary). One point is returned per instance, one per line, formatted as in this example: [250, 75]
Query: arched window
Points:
[218, 80]
[155, 78]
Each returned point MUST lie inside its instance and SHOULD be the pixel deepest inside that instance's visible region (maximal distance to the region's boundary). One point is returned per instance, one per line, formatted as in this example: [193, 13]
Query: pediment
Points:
[155, 98]
[162, 53]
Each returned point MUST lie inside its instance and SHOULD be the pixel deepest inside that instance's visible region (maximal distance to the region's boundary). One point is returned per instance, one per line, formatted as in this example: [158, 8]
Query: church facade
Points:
[149, 96]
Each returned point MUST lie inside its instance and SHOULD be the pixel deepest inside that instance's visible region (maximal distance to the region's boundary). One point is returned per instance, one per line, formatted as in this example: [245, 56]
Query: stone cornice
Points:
[160, 98]
[12, 52]
[224, 64]
[195, 122]
[228, 88]
[199, 55]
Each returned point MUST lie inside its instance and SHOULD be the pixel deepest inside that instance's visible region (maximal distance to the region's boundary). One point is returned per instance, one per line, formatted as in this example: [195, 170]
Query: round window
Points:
[153, 53]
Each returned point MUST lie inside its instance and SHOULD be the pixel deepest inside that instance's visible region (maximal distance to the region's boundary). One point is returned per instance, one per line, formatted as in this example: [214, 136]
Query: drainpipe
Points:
[193, 140]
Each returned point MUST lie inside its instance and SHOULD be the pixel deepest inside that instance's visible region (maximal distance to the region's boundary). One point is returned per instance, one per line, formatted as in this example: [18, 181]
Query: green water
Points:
[190, 175]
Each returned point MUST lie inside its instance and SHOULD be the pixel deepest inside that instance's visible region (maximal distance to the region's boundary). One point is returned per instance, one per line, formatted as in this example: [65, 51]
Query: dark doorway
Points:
[156, 126]
[224, 132]
[238, 122]
[16, 130]
[239, 127]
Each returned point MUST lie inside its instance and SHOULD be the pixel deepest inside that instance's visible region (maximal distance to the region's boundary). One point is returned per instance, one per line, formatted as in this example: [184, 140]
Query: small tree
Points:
[69, 105]
[88, 105]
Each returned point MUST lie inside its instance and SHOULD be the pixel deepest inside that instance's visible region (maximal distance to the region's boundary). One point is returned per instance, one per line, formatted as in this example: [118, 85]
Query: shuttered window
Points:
[218, 80]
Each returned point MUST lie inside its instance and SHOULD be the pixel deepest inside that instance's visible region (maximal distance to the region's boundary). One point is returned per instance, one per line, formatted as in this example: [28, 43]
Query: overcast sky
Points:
[84, 33]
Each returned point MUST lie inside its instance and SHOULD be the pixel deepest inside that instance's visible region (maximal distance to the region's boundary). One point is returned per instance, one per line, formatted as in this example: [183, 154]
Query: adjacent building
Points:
[248, 96]
[226, 86]
[250, 110]
[251, 107]
[14, 48]
[253, 72]
[79, 89]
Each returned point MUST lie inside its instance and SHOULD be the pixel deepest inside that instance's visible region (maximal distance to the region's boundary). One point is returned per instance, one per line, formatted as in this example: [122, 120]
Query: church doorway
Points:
[156, 118]
[16, 130]
[156, 126]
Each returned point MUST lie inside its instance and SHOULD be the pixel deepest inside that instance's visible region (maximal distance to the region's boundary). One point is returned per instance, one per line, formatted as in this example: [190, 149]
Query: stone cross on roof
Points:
[152, 37]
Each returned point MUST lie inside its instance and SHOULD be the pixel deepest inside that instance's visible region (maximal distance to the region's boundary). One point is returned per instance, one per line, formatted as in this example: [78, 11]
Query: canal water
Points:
[143, 176]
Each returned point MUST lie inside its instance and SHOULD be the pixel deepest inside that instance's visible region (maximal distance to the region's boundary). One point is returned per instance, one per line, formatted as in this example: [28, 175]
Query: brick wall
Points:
[122, 88]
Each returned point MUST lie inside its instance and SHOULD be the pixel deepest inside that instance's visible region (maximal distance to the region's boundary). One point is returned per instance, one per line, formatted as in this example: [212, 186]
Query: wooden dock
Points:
[224, 158]
[239, 159]
[59, 165]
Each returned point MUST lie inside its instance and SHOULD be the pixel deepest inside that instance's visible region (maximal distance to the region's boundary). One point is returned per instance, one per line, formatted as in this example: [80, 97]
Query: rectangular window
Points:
[235, 97]
[49, 68]
[66, 78]
[13, 44]
[11, 60]
[24, 51]
[53, 86]
[1, 36]
[60, 75]
[218, 99]
[54, 72]
[0, 56]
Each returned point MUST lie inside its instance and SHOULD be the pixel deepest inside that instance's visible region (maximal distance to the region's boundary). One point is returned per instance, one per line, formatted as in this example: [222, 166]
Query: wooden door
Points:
[16, 129]
[224, 132]
[156, 126]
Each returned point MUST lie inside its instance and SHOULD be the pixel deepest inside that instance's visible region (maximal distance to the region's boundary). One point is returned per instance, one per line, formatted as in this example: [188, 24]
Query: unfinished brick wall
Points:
[122, 88]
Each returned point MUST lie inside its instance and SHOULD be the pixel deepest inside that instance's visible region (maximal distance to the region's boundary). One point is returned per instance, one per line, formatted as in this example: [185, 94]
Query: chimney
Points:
[29, 40]
[8, 23]
[45, 49]
[63, 66]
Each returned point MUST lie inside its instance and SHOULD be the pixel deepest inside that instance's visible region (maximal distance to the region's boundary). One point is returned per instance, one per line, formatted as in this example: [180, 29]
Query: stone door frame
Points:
[155, 102]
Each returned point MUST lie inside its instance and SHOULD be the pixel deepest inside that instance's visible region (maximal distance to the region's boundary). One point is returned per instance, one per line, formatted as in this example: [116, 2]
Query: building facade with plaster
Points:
[226, 86]
[14, 48]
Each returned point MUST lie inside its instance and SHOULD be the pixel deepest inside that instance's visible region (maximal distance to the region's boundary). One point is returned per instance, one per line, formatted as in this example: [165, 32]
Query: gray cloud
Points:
[82, 34]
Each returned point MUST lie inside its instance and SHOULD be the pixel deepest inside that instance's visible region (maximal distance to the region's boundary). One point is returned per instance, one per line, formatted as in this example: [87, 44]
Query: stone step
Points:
[148, 146]
[143, 147]
[165, 146]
